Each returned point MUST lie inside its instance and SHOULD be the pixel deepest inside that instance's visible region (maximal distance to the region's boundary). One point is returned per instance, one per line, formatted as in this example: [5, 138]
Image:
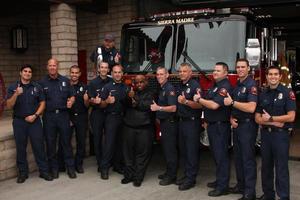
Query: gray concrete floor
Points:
[90, 186]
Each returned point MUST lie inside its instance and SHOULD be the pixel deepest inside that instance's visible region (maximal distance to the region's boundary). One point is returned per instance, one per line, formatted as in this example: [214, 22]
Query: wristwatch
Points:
[160, 108]
[232, 102]
[36, 115]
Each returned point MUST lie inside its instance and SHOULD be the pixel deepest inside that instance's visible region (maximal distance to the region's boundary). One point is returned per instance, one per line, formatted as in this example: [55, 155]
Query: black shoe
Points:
[62, 169]
[263, 197]
[46, 176]
[126, 180]
[161, 176]
[137, 183]
[104, 174]
[180, 181]
[248, 197]
[22, 178]
[186, 186]
[71, 173]
[79, 169]
[217, 193]
[118, 170]
[99, 169]
[55, 174]
[235, 190]
[167, 181]
[212, 184]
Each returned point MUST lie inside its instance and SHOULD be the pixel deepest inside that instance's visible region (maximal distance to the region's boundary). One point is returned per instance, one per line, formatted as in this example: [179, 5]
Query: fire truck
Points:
[200, 37]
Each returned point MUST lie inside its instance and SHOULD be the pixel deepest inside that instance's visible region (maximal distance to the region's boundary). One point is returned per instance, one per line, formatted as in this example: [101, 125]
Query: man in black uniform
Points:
[217, 116]
[114, 95]
[275, 113]
[189, 114]
[106, 52]
[137, 132]
[59, 97]
[165, 113]
[79, 115]
[97, 117]
[243, 103]
[28, 102]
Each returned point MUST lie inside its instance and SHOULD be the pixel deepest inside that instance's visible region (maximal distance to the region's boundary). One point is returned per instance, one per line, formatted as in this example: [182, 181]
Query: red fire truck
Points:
[200, 37]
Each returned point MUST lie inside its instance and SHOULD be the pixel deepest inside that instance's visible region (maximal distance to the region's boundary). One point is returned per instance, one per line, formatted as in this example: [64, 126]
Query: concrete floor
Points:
[90, 186]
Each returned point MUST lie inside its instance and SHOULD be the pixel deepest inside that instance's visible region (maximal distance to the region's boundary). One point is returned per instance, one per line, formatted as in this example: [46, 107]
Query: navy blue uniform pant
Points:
[23, 130]
[275, 153]
[244, 138]
[112, 146]
[169, 135]
[97, 120]
[189, 146]
[80, 125]
[57, 125]
[218, 134]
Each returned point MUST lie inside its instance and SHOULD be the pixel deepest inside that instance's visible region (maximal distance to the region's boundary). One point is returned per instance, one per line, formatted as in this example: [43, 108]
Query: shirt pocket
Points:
[279, 107]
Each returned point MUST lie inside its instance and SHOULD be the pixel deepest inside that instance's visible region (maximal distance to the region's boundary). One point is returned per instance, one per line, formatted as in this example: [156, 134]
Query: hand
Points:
[181, 98]
[234, 122]
[154, 106]
[69, 103]
[197, 96]
[278, 124]
[131, 93]
[265, 116]
[97, 100]
[110, 99]
[117, 58]
[86, 96]
[204, 125]
[30, 118]
[19, 90]
[227, 100]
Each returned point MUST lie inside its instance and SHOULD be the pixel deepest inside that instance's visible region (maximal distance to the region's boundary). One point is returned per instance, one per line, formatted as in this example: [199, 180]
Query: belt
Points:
[18, 117]
[57, 111]
[274, 129]
[245, 120]
[188, 118]
[81, 113]
[115, 113]
[170, 119]
[218, 122]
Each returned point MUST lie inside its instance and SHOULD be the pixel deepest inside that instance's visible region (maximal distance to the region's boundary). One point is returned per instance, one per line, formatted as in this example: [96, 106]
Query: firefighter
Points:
[97, 117]
[275, 113]
[59, 98]
[189, 113]
[106, 52]
[28, 102]
[114, 95]
[217, 117]
[79, 115]
[243, 104]
[166, 114]
[138, 131]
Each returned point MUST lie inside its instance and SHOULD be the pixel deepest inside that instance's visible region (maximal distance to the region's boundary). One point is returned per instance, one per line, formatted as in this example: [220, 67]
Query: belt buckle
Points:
[56, 111]
[75, 114]
[270, 129]
[193, 118]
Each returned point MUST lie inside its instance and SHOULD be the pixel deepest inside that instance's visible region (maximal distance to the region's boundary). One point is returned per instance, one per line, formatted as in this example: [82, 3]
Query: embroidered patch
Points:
[253, 90]
[223, 92]
[292, 96]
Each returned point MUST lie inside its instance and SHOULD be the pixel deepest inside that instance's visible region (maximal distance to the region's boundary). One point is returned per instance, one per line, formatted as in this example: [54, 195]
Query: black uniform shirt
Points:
[28, 102]
[245, 91]
[189, 89]
[57, 92]
[277, 102]
[167, 97]
[119, 91]
[79, 106]
[106, 55]
[217, 93]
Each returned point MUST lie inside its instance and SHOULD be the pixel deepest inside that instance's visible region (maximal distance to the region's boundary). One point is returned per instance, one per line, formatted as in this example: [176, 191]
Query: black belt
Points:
[188, 118]
[115, 113]
[79, 113]
[18, 117]
[57, 111]
[274, 129]
[245, 120]
[218, 122]
[170, 119]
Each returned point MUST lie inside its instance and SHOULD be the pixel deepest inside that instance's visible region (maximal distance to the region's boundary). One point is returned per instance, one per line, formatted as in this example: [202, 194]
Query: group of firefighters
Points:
[122, 125]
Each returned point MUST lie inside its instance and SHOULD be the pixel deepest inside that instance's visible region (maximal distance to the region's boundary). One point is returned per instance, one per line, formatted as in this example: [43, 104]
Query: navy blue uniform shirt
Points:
[190, 88]
[57, 92]
[217, 93]
[167, 97]
[245, 91]
[108, 55]
[79, 106]
[95, 88]
[28, 102]
[277, 102]
[119, 91]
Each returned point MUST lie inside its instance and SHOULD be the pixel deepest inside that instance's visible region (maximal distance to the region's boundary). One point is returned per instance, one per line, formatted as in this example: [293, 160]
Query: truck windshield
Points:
[206, 43]
[146, 48]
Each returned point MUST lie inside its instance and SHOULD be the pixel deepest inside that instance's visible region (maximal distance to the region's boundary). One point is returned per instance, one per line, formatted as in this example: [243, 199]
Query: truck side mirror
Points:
[253, 52]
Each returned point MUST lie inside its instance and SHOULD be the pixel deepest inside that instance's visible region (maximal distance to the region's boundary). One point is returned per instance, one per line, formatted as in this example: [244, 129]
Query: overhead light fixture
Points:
[19, 38]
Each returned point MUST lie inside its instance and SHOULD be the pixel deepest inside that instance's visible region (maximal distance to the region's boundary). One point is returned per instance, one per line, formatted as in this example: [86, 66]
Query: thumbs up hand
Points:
[131, 93]
[181, 98]
[110, 99]
[19, 90]
[197, 96]
[154, 106]
[266, 116]
[86, 96]
[69, 103]
[97, 99]
[228, 100]
[117, 58]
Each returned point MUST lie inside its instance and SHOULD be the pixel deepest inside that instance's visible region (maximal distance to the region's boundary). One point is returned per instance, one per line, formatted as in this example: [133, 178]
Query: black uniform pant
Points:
[275, 152]
[23, 130]
[58, 124]
[169, 134]
[80, 125]
[112, 145]
[244, 138]
[189, 146]
[218, 134]
[137, 150]
[97, 120]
